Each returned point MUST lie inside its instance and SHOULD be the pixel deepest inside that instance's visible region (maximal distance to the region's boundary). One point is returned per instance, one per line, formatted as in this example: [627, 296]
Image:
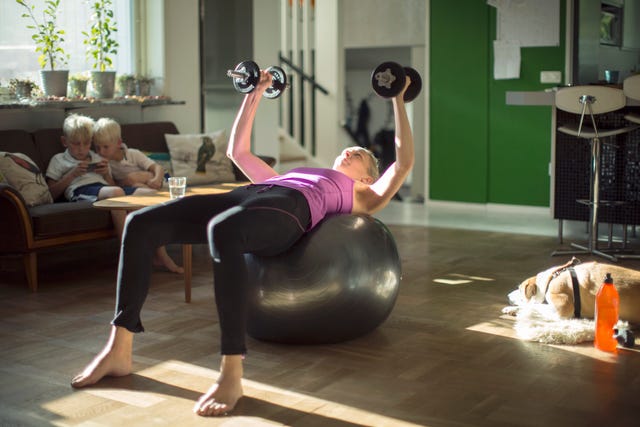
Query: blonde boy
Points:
[130, 167]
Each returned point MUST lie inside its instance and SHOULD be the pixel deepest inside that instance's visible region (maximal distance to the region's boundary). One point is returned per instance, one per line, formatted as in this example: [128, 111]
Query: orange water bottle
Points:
[607, 302]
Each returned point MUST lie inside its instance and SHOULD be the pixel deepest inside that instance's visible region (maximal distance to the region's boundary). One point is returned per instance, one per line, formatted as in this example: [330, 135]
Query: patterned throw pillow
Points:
[23, 174]
[202, 158]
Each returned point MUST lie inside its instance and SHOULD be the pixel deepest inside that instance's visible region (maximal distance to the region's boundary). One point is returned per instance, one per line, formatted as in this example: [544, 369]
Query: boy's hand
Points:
[81, 169]
[155, 183]
[102, 167]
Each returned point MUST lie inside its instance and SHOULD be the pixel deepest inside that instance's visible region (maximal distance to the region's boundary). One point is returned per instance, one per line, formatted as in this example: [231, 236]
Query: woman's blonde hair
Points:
[374, 168]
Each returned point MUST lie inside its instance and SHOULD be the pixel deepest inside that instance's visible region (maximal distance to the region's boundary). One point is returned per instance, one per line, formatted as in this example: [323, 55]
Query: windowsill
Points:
[65, 104]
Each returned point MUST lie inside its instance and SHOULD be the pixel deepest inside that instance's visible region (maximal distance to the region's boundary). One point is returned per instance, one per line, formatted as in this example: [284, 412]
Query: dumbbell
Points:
[247, 74]
[388, 80]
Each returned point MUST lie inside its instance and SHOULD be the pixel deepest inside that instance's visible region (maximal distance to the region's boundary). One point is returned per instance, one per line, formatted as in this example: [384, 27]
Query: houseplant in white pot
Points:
[22, 88]
[49, 39]
[78, 85]
[101, 45]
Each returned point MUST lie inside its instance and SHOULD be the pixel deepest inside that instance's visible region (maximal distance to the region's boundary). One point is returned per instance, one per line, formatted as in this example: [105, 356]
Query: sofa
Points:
[28, 228]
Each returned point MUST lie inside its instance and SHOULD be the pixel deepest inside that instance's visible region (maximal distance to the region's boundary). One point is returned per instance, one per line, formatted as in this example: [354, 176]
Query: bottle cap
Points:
[608, 278]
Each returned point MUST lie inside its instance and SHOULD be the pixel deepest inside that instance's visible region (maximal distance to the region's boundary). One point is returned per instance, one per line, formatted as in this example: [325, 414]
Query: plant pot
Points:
[143, 88]
[102, 84]
[128, 87]
[54, 82]
[23, 91]
[77, 88]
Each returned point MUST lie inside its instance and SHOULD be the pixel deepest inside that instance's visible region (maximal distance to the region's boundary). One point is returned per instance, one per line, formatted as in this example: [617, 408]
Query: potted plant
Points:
[143, 85]
[101, 45]
[127, 84]
[22, 88]
[49, 39]
[78, 85]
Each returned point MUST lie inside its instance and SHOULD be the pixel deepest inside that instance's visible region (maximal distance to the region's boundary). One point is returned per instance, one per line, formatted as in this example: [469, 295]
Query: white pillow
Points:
[23, 174]
[202, 158]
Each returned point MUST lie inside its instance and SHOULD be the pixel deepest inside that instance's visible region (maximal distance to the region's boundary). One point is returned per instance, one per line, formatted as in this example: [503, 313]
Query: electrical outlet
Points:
[551, 77]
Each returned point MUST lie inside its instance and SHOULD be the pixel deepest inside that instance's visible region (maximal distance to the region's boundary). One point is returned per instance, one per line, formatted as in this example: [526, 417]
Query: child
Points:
[81, 174]
[130, 168]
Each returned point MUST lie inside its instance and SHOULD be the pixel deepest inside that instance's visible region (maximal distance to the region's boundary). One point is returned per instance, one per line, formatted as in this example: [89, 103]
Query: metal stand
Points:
[594, 196]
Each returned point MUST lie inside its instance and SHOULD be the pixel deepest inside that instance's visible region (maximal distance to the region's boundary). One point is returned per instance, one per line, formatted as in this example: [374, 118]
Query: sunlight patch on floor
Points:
[188, 379]
[502, 327]
[461, 279]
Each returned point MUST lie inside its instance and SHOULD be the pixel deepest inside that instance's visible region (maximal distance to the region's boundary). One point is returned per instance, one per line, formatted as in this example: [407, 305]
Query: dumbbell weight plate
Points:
[388, 79]
[247, 84]
[414, 87]
[278, 84]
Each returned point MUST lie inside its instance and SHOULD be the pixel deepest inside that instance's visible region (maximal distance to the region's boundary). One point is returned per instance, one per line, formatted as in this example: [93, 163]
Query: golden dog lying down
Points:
[555, 286]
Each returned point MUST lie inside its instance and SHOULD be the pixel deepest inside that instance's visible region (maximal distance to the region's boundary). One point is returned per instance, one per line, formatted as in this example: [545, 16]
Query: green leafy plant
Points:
[22, 88]
[14, 83]
[48, 37]
[79, 77]
[100, 39]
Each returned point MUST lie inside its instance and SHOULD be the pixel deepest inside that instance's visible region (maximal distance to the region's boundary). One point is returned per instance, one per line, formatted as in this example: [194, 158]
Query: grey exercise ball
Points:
[338, 282]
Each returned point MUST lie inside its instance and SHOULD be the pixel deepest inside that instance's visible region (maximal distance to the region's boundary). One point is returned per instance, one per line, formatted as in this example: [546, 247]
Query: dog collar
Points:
[576, 293]
[573, 261]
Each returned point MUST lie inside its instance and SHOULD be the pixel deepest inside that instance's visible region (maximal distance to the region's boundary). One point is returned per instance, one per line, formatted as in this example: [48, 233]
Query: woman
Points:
[266, 217]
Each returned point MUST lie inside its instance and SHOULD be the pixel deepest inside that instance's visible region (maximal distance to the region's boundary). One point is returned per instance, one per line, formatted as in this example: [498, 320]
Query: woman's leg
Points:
[180, 221]
[267, 224]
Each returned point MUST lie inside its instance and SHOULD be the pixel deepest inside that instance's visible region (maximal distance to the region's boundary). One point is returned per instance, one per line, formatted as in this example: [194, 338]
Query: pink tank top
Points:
[327, 191]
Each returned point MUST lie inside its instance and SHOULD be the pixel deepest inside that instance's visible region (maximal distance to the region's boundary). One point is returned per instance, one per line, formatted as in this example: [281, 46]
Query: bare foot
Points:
[162, 259]
[222, 397]
[114, 360]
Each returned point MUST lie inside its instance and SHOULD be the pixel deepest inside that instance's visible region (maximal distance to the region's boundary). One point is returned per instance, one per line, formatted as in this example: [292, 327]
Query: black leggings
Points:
[258, 219]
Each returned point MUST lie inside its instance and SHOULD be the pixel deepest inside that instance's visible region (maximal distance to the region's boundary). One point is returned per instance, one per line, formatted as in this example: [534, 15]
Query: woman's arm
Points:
[370, 199]
[239, 149]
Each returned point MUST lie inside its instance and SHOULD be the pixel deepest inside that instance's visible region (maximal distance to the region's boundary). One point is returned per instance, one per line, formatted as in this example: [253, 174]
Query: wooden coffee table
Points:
[133, 203]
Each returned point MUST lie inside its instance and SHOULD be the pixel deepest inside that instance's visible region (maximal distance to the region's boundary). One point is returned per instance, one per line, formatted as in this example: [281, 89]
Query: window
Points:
[18, 57]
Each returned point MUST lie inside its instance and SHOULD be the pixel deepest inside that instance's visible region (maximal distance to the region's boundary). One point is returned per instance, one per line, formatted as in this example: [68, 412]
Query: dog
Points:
[555, 287]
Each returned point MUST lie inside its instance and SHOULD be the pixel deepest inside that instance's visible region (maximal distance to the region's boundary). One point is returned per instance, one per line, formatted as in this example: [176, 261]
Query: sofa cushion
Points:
[21, 173]
[147, 136]
[202, 158]
[62, 218]
[48, 142]
[20, 141]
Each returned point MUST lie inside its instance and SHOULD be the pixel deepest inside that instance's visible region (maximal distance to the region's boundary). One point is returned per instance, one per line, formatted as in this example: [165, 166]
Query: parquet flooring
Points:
[445, 356]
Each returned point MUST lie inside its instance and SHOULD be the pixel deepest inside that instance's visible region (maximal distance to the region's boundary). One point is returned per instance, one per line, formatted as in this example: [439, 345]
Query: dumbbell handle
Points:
[238, 74]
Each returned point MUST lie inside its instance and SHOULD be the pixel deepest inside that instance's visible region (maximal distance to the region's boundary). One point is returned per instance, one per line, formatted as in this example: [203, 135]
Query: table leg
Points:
[187, 258]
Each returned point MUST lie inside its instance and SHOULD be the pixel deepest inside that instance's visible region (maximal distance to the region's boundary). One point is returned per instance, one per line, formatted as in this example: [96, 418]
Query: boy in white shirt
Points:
[130, 168]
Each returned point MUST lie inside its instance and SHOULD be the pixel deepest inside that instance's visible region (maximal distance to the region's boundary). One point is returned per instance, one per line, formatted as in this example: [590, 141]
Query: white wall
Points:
[382, 23]
[266, 43]
[330, 73]
[174, 25]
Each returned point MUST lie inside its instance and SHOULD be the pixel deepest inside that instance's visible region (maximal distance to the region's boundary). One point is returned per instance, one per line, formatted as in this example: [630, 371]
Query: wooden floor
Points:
[445, 357]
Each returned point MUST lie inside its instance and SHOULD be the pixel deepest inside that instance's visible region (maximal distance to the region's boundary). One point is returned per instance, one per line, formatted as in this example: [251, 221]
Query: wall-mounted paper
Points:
[506, 63]
[532, 22]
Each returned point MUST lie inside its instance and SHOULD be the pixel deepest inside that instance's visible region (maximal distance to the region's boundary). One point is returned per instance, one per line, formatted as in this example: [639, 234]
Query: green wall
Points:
[482, 150]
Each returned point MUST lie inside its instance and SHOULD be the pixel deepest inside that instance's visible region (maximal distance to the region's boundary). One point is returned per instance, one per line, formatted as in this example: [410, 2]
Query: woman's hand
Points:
[407, 83]
[264, 82]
